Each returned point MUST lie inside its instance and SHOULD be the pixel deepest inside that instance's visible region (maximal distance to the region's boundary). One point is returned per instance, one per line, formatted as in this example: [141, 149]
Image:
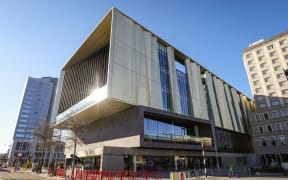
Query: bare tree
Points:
[44, 133]
[76, 136]
[58, 146]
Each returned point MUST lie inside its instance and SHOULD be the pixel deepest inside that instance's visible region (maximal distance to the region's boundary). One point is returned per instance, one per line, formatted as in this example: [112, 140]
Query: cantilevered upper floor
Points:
[122, 64]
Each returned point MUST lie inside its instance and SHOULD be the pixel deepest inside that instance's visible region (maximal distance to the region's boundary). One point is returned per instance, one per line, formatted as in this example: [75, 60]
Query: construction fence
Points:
[110, 175]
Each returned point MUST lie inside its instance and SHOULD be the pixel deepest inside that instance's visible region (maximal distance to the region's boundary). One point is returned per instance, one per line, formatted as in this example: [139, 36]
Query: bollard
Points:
[172, 176]
[182, 176]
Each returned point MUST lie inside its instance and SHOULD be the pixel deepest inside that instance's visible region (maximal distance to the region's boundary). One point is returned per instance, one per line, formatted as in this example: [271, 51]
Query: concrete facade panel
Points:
[236, 102]
[57, 98]
[134, 67]
[112, 162]
[123, 29]
[197, 93]
[114, 126]
[222, 102]
[212, 98]
[231, 108]
[173, 81]
[123, 84]
[155, 89]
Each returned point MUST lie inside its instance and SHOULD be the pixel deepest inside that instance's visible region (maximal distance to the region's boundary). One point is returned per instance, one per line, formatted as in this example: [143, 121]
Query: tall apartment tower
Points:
[266, 62]
[144, 105]
[36, 108]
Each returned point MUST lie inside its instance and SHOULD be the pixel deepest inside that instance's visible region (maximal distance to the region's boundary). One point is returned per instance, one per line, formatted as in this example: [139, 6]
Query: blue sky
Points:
[38, 37]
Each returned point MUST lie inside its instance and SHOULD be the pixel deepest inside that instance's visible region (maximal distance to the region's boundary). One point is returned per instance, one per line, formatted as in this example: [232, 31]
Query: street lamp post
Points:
[204, 161]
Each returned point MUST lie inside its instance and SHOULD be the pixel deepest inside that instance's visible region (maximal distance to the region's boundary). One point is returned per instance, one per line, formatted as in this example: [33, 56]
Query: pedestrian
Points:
[62, 165]
[197, 164]
[231, 173]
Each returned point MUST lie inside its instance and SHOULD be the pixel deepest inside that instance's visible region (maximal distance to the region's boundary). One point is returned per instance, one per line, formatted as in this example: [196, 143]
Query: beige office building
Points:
[265, 63]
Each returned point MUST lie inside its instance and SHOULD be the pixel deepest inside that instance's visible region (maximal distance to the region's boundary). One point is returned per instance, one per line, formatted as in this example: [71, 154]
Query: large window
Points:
[266, 71]
[266, 116]
[274, 114]
[277, 68]
[284, 41]
[163, 130]
[269, 128]
[275, 103]
[263, 64]
[267, 79]
[285, 49]
[169, 131]
[260, 129]
[272, 54]
[263, 105]
[284, 113]
[259, 51]
[183, 89]
[258, 117]
[282, 83]
[285, 91]
[270, 47]
[282, 139]
[164, 76]
[271, 86]
[278, 127]
[256, 82]
[254, 75]
[250, 62]
[274, 61]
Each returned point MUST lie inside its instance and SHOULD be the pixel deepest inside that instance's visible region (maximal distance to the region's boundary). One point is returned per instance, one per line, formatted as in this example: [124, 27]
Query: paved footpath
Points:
[28, 175]
[25, 175]
[263, 177]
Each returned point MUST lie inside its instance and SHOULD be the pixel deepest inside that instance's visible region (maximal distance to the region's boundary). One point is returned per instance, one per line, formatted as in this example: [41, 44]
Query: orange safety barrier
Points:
[112, 175]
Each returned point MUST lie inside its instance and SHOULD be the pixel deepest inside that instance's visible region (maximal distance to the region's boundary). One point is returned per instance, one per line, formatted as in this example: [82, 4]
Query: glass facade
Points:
[228, 141]
[170, 131]
[36, 108]
[168, 163]
[87, 163]
[36, 105]
[164, 77]
[183, 89]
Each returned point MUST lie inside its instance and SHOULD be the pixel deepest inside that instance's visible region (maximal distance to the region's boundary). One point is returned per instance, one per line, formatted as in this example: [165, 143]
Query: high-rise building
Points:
[266, 62]
[36, 108]
[143, 104]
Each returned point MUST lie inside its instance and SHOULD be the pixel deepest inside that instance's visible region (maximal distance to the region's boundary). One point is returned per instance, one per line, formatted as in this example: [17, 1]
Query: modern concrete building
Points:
[36, 108]
[266, 63]
[143, 104]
